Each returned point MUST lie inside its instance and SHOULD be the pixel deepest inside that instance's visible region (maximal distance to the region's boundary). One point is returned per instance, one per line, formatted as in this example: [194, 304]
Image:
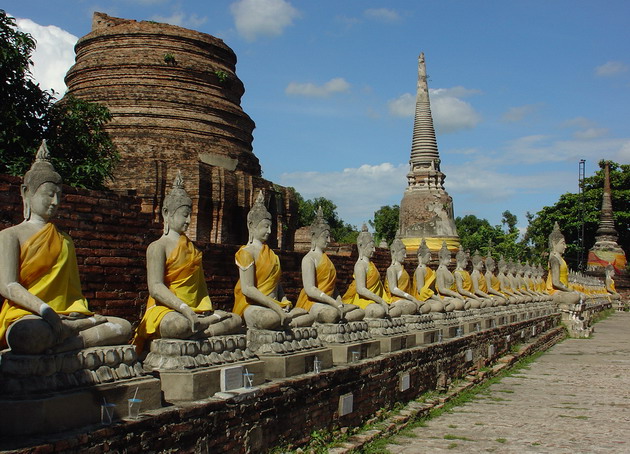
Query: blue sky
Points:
[520, 90]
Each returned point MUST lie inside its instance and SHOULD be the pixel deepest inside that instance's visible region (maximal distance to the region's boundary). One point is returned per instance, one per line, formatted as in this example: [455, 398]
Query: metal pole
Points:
[581, 175]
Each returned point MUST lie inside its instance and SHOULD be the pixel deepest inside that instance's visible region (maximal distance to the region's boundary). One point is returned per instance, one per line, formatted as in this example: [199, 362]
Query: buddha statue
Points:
[44, 310]
[610, 283]
[320, 296]
[445, 281]
[515, 283]
[521, 282]
[479, 283]
[506, 284]
[424, 279]
[558, 274]
[179, 306]
[258, 295]
[367, 291]
[493, 286]
[464, 284]
[398, 284]
[541, 285]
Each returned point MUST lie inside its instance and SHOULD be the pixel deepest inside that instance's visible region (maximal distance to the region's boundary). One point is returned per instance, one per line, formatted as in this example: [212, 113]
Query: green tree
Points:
[340, 231]
[23, 104]
[573, 209]
[385, 223]
[84, 155]
[476, 234]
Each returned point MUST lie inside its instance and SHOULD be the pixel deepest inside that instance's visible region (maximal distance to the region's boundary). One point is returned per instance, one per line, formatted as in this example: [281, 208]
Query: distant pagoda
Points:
[426, 210]
[606, 250]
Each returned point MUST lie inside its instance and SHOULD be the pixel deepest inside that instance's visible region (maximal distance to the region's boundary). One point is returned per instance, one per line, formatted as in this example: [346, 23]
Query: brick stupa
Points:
[426, 210]
[175, 100]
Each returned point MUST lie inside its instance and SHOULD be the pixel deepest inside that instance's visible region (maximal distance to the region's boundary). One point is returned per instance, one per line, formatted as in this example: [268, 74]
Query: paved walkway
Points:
[574, 399]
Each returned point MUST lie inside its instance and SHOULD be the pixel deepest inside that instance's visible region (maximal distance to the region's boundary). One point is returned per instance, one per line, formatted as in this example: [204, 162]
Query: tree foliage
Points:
[340, 231]
[81, 150]
[385, 223]
[571, 209]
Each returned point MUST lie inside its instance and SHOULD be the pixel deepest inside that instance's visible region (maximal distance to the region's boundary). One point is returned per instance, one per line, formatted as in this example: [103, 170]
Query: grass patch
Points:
[452, 446]
[507, 391]
[452, 426]
[456, 437]
[479, 424]
[501, 440]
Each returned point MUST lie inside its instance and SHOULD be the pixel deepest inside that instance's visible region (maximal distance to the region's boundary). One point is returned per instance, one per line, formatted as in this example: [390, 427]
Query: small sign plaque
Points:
[346, 402]
[405, 381]
[231, 378]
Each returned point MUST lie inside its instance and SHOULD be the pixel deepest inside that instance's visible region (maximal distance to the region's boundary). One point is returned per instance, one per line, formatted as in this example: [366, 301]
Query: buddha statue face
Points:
[367, 249]
[424, 257]
[180, 219]
[462, 259]
[321, 240]
[490, 264]
[261, 231]
[399, 251]
[43, 201]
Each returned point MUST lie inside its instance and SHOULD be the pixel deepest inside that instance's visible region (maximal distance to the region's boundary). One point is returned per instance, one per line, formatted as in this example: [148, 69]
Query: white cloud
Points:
[357, 192]
[382, 14]
[515, 114]
[181, 19]
[611, 68]
[254, 18]
[587, 129]
[336, 85]
[53, 55]
[450, 113]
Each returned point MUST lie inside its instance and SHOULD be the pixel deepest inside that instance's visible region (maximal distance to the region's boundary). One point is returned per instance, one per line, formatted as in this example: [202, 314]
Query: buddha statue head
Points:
[398, 250]
[503, 266]
[444, 255]
[462, 259]
[177, 207]
[424, 253]
[556, 240]
[610, 271]
[477, 261]
[365, 243]
[320, 231]
[490, 264]
[41, 189]
[259, 220]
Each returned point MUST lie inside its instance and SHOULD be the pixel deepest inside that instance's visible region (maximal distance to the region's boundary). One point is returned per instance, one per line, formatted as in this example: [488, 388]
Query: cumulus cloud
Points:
[611, 68]
[516, 114]
[336, 85]
[181, 19]
[382, 14]
[53, 55]
[450, 112]
[347, 188]
[254, 18]
[586, 129]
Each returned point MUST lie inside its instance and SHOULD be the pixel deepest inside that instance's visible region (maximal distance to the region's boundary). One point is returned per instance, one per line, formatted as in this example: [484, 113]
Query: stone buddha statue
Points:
[515, 283]
[398, 285]
[558, 274]
[424, 279]
[258, 295]
[541, 285]
[445, 281]
[479, 282]
[464, 283]
[367, 291]
[44, 310]
[610, 283]
[179, 306]
[493, 286]
[506, 284]
[320, 296]
[518, 272]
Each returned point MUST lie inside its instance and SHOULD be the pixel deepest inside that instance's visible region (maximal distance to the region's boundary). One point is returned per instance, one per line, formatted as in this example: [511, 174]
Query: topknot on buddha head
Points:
[423, 250]
[319, 224]
[178, 196]
[555, 236]
[364, 238]
[42, 170]
[257, 213]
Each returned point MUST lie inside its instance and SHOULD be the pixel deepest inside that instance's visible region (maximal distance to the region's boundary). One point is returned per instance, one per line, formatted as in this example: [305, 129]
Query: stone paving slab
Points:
[573, 399]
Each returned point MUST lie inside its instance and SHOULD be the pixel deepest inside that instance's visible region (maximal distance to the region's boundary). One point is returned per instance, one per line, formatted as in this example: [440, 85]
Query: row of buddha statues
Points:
[44, 310]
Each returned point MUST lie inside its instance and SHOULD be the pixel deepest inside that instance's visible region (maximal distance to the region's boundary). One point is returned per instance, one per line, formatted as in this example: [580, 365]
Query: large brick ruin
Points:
[175, 100]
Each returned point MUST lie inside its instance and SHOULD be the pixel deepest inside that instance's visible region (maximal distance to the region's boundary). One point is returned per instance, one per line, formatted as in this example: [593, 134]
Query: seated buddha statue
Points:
[44, 310]
[479, 282]
[529, 273]
[558, 274]
[320, 296]
[506, 284]
[424, 279]
[521, 282]
[398, 284]
[258, 294]
[179, 306]
[445, 281]
[367, 290]
[464, 283]
[610, 283]
[493, 286]
[541, 284]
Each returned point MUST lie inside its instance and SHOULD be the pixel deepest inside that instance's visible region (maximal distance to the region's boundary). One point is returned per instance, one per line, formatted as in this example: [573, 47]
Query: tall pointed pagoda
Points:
[606, 250]
[426, 210]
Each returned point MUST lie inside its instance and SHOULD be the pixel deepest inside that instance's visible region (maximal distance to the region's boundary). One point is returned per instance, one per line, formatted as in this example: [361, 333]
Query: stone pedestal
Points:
[288, 365]
[349, 342]
[41, 394]
[392, 334]
[423, 327]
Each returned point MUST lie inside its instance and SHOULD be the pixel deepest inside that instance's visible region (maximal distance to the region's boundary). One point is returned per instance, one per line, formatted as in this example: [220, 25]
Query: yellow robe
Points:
[453, 287]
[267, 276]
[481, 283]
[183, 275]
[466, 280]
[495, 283]
[48, 270]
[325, 280]
[404, 284]
[564, 277]
[373, 284]
[428, 289]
